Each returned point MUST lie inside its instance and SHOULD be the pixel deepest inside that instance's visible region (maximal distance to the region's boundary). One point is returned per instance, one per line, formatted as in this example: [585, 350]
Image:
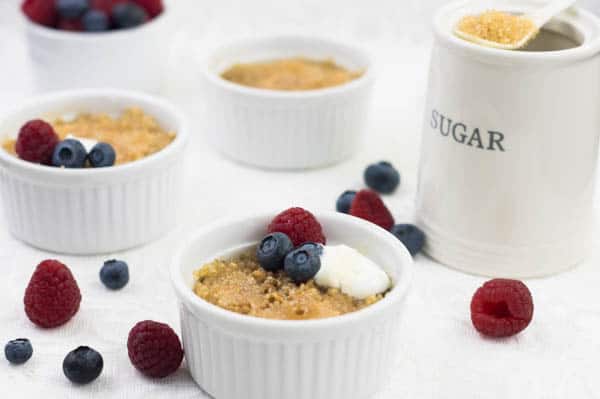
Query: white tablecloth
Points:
[441, 355]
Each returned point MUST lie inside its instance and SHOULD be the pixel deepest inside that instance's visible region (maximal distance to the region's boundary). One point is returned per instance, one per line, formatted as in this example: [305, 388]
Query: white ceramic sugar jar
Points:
[509, 150]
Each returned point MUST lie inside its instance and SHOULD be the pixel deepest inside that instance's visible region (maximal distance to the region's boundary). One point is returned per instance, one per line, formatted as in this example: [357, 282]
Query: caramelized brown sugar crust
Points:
[242, 286]
[133, 134]
[290, 74]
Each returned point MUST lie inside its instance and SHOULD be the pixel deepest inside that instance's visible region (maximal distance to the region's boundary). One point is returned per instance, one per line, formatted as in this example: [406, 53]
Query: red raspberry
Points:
[368, 205]
[152, 7]
[154, 349]
[299, 224]
[105, 5]
[40, 11]
[72, 25]
[52, 297]
[36, 142]
[501, 308]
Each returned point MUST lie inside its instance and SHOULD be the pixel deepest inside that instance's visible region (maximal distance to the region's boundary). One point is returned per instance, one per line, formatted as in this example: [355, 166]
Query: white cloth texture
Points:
[440, 354]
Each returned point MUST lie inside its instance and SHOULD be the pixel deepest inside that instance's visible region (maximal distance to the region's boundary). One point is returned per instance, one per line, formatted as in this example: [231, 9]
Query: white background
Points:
[441, 356]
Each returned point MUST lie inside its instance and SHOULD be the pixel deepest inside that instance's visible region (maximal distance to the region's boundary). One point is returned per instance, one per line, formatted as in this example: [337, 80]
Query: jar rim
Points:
[584, 24]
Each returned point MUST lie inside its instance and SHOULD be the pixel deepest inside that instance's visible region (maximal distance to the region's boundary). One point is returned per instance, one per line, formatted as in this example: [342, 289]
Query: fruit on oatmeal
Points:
[128, 15]
[95, 21]
[18, 351]
[69, 153]
[501, 308]
[299, 225]
[83, 365]
[71, 9]
[272, 251]
[411, 236]
[91, 15]
[42, 12]
[52, 297]
[154, 349]
[133, 135]
[152, 7]
[382, 177]
[70, 25]
[316, 280]
[105, 5]
[368, 205]
[35, 142]
[102, 155]
[114, 274]
[303, 263]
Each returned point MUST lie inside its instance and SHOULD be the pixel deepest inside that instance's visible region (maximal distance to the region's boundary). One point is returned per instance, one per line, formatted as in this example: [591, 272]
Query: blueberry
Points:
[18, 351]
[128, 15]
[95, 21]
[102, 155]
[114, 274]
[382, 177]
[71, 9]
[312, 246]
[83, 365]
[303, 263]
[69, 153]
[411, 236]
[272, 251]
[344, 201]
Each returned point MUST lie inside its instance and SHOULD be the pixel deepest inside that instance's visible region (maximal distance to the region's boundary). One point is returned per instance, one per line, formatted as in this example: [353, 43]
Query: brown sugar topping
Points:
[290, 74]
[133, 134]
[497, 26]
[242, 286]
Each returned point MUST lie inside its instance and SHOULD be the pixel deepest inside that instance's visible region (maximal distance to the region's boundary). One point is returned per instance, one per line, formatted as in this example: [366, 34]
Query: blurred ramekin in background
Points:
[133, 59]
[89, 211]
[286, 129]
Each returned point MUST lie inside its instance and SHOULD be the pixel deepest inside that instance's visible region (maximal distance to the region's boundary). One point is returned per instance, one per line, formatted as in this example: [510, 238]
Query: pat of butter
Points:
[354, 274]
[88, 144]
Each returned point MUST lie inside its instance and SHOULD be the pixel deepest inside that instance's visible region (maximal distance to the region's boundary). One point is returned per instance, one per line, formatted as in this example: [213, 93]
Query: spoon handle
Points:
[545, 14]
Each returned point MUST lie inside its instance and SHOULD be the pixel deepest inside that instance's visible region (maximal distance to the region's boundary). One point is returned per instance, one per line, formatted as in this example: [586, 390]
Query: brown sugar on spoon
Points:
[497, 26]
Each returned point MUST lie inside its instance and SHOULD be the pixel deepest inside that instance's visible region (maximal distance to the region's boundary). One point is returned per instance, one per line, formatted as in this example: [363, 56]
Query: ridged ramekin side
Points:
[314, 134]
[286, 129]
[343, 364]
[91, 218]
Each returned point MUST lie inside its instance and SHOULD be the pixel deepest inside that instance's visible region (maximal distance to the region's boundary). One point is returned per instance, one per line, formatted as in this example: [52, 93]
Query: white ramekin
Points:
[133, 59]
[87, 211]
[286, 129]
[235, 356]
